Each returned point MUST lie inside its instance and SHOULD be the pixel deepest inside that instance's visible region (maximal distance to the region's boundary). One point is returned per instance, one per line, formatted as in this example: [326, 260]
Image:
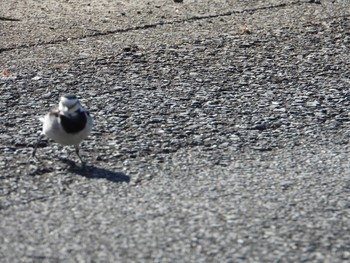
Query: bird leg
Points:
[77, 152]
[36, 145]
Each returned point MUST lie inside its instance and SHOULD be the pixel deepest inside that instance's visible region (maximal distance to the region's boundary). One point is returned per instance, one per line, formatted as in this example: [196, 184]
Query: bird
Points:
[69, 124]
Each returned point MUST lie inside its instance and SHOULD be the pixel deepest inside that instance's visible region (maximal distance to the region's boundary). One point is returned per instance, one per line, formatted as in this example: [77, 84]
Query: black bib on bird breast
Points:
[74, 123]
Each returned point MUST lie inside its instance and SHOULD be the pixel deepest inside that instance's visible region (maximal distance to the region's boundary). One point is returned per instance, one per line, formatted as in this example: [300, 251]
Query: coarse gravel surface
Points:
[221, 131]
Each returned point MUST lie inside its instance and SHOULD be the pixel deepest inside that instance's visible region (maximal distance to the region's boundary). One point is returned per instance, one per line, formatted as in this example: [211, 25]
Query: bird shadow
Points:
[93, 172]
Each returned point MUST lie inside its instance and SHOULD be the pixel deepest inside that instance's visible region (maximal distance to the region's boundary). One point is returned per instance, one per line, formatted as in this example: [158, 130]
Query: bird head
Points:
[69, 103]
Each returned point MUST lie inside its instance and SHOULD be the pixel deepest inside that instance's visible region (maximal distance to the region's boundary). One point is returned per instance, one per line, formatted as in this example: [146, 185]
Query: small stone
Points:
[32, 169]
[36, 78]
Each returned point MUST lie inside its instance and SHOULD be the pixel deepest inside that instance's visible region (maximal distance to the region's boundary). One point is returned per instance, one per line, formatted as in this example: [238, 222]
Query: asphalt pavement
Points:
[221, 131]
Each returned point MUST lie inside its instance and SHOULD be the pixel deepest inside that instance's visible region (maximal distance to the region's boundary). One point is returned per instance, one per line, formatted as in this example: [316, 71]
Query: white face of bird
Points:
[69, 103]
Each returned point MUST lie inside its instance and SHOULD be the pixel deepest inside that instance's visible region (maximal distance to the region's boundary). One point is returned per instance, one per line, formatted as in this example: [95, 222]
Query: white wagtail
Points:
[67, 125]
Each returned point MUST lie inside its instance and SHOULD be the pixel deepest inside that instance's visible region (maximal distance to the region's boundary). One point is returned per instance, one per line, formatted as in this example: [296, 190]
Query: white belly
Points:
[52, 128]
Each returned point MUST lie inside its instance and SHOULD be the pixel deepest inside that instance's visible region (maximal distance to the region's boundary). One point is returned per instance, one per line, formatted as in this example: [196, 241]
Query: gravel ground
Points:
[221, 135]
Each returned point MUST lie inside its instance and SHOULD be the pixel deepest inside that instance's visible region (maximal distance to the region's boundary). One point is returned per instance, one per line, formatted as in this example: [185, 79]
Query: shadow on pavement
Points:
[93, 172]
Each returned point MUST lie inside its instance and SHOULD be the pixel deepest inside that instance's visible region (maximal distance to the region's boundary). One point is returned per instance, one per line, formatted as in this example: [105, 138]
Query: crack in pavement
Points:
[154, 25]
[2, 18]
